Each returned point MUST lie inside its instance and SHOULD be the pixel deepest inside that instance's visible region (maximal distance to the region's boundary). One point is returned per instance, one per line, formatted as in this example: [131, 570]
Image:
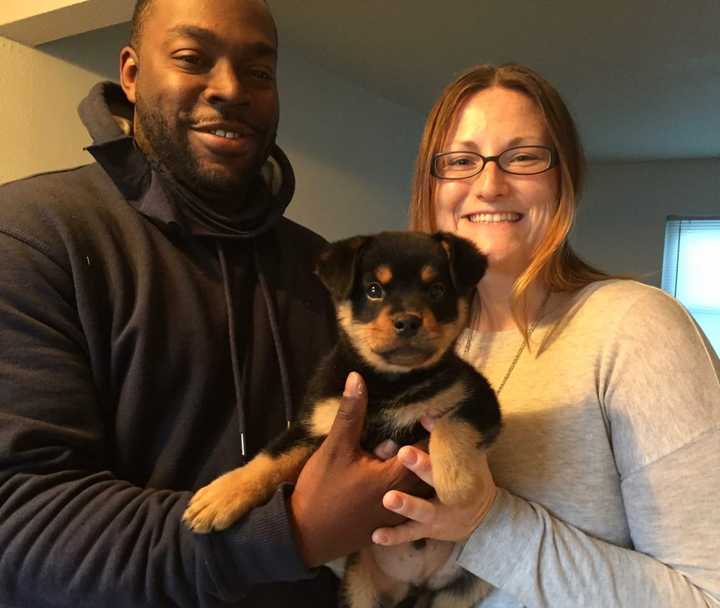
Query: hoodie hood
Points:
[153, 190]
[156, 193]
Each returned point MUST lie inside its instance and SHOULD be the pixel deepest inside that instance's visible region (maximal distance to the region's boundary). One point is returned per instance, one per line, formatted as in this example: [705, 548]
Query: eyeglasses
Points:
[520, 160]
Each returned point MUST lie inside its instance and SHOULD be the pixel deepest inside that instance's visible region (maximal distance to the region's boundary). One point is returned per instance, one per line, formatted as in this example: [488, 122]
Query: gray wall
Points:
[621, 220]
[352, 150]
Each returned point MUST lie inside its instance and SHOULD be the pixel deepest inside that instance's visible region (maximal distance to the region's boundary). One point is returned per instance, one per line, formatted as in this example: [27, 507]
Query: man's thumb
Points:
[348, 424]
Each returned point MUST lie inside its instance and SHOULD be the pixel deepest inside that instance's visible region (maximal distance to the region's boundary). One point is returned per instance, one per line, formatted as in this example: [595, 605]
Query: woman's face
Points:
[504, 215]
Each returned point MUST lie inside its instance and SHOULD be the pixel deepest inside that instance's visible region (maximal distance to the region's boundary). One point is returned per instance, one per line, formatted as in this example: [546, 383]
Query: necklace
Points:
[520, 350]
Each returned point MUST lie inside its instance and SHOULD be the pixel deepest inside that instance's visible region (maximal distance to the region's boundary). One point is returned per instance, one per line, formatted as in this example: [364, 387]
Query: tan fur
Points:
[229, 497]
[454, 454]
[323, 415]
[428, 274]
[414, 566]
[368, 338]
[477, 590]
[384, 274]
[366, 584]
[438, 405]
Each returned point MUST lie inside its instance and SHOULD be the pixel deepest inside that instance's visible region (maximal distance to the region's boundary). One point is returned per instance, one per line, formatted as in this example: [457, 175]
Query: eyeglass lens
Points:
[522, 160]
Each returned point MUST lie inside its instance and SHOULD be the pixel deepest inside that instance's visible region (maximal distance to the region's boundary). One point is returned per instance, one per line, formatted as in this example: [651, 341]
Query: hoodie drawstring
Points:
[240, 377]
[275, 330]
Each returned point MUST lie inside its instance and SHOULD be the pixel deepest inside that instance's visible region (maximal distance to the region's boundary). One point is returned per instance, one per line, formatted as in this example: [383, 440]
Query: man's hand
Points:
[337, 501]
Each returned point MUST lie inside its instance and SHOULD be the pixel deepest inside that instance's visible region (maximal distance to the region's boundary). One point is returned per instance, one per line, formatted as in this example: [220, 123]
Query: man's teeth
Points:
[226, 134]
[478, 218]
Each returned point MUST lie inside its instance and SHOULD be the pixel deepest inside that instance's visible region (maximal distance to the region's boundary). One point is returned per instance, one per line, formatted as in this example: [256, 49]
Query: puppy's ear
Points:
[467, 264]
[337, 266]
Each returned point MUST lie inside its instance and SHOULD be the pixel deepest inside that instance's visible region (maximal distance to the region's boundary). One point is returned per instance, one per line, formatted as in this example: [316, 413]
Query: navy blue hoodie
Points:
[140, 336]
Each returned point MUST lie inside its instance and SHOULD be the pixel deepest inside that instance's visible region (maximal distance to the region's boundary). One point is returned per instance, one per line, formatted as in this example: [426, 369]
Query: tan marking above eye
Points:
[428, 274]
[384, 274]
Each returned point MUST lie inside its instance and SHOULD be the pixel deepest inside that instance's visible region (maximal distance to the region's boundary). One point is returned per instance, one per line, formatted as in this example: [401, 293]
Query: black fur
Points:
[345, 268]
[402, 299]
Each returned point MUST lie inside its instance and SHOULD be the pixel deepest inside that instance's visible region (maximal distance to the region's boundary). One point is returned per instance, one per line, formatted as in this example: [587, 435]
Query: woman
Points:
[604, 486]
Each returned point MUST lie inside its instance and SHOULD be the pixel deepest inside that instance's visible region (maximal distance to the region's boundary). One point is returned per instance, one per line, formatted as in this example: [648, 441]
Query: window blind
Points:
[691, 269]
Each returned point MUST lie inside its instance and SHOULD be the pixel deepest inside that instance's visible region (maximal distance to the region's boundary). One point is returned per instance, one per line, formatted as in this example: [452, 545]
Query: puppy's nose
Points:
[407, 325]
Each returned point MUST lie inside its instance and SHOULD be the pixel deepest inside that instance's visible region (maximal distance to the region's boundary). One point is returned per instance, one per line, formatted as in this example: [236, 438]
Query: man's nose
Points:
[226, 86]
[491, 183]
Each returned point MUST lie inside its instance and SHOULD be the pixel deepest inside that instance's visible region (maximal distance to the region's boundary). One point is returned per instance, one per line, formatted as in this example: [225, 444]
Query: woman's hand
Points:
[431, 518]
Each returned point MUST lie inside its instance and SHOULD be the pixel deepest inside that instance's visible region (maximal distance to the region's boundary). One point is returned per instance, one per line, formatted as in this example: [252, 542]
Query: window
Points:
[691, 270]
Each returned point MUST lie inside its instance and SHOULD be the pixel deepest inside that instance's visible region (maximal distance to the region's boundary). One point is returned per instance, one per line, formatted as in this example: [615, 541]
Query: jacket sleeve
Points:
[661, 392]
[71, 533]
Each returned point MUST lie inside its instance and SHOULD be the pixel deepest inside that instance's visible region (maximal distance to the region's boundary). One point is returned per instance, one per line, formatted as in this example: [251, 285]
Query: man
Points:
[158, 321]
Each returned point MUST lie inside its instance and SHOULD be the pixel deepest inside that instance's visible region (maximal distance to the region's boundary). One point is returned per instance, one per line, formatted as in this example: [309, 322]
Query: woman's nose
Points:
[491, 183]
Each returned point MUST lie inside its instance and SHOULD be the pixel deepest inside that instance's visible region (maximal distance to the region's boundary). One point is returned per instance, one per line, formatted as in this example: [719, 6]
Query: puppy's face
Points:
[402, 298]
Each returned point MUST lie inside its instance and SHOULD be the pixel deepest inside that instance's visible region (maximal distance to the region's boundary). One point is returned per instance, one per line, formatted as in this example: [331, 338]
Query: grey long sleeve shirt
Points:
[609, 460]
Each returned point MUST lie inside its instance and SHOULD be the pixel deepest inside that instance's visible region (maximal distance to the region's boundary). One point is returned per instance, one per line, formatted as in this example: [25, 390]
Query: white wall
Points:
[621, 220]
[352, 151]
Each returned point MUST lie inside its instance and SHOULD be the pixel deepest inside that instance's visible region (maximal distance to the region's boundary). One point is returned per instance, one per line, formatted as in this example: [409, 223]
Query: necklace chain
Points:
[520, 350]
[516, 358]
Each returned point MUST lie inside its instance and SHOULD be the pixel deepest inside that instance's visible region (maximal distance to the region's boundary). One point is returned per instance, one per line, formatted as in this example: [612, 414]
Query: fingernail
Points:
[394, 502]
[427, 422]
[409, 457]
[379, 538]
[353, 385]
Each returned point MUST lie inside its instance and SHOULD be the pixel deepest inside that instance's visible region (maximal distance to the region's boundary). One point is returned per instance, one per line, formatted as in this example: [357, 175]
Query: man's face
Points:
[204, 88]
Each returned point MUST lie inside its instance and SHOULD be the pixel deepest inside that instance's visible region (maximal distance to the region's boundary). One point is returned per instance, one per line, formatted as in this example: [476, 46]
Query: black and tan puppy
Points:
[401, 298]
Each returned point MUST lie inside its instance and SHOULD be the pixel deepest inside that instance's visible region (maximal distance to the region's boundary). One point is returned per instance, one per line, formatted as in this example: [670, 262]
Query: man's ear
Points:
[467, 264]
[129, 72]
[337, 266]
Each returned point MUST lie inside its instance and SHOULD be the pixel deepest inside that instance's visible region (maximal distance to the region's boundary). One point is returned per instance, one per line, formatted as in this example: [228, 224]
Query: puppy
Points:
[402, 299]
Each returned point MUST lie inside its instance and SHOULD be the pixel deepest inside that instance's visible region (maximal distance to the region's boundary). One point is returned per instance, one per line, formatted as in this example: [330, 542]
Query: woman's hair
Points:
[553, 261]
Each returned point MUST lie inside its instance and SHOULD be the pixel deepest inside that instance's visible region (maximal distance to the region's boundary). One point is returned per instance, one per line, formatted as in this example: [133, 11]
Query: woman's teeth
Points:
[491, 218]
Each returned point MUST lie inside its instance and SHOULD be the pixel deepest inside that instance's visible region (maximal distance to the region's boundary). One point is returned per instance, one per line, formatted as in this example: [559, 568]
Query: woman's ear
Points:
[337, 266]
[467, 263]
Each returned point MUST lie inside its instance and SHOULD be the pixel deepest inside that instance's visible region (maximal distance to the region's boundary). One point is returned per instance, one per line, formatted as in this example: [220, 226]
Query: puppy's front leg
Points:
[456, 443]
[225, 500]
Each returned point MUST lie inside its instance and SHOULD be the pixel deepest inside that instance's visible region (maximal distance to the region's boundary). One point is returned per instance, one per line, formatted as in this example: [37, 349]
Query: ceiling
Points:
[642, 77]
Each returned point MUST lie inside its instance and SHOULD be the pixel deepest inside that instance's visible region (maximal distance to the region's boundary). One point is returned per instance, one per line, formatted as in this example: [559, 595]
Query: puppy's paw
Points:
[221, 503]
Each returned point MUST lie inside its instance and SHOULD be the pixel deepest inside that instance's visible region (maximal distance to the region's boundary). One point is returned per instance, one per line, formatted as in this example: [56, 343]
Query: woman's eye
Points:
[437, 291]
[523, 158]
[461, 162]
[375, 291]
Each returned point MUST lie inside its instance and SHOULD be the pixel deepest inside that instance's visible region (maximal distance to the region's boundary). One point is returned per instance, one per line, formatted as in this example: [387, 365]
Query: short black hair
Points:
[140, 15]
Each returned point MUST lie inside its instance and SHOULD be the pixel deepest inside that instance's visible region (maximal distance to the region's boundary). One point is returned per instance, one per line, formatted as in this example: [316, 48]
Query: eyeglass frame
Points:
[496, 158]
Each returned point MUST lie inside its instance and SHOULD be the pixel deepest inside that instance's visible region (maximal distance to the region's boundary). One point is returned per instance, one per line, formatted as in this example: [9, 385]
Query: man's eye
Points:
[262, 74]
[375, 291]
[189, 59]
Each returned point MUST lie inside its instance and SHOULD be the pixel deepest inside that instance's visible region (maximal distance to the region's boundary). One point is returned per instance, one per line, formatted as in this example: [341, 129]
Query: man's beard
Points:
[170, 148]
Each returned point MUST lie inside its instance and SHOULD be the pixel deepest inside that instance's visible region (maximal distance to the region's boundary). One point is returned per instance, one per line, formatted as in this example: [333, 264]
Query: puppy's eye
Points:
[375, 291]
[436, 291]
